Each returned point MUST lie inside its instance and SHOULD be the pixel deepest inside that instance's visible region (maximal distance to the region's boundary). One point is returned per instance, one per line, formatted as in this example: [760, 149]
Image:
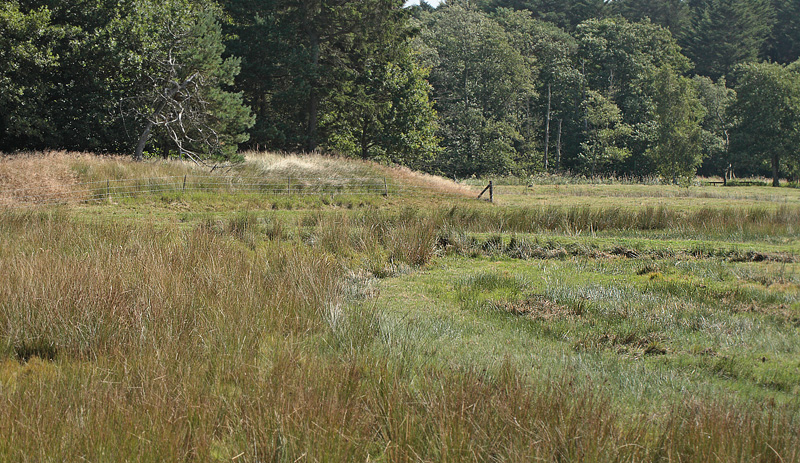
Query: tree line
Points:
[470, 88]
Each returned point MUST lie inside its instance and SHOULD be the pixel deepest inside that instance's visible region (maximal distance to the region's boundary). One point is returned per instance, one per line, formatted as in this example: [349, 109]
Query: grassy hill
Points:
[308, 308]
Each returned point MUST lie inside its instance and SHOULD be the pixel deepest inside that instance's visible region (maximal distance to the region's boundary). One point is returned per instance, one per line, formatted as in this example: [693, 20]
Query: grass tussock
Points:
[148, 291]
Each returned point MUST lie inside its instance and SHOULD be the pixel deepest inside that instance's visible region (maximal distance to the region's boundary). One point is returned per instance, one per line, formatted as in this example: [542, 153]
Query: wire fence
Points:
[111, 189]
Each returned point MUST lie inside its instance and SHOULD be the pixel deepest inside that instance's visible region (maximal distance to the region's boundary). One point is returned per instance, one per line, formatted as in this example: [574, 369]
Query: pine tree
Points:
[180, 89]
[724, 33]
[308, 52]
[783, 44]
[670, 14]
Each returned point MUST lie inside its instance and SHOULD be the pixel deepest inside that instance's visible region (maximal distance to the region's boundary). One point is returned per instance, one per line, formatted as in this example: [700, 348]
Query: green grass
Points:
[415, 327]
[639, 196]
[612, 310]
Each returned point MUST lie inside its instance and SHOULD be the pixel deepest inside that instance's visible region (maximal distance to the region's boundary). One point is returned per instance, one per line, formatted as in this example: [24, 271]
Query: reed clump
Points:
[584, 219]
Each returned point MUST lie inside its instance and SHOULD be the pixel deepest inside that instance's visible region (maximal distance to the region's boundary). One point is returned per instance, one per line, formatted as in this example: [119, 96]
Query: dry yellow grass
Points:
[413, 177]
[336, 168]
[26, 176]
[63, 176]
[69, 177]
[307, 165]
[264, 336]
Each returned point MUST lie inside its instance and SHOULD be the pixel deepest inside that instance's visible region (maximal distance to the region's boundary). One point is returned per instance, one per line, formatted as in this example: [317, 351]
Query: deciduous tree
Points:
[677, 147]
[604, 144]
[480, 82]
[27, 40]
[716, 98]
[767, 112]
[385, 114]
[620, 59]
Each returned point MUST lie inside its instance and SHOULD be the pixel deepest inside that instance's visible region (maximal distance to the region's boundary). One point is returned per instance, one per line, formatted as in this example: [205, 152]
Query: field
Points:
[564, 322]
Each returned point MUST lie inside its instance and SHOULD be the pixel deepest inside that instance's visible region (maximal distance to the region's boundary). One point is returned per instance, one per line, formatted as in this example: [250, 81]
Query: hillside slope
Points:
[67, 177]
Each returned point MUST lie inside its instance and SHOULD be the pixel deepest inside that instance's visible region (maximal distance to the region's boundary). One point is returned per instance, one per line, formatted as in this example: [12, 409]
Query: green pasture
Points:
[637, 196]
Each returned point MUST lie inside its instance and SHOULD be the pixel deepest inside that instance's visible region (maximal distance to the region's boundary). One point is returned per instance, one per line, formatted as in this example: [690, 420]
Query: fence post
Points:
[385, 187]
[108, 190]
[491, 193]
[183, 190]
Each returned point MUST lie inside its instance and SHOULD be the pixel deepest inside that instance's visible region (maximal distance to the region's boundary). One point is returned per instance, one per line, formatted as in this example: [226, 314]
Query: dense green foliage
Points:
[470, 88]
[677, 147]
[333, 74]
[767, 110]
[181, 58]
[482, 84]
[102, 75]
[724, 33]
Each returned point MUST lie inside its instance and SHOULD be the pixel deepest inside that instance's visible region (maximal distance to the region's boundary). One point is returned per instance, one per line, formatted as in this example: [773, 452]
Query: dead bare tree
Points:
[180, 89]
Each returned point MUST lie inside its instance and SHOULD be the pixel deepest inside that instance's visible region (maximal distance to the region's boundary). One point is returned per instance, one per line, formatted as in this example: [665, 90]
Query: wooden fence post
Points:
[183, 190]
[385, 187]
[490, 188]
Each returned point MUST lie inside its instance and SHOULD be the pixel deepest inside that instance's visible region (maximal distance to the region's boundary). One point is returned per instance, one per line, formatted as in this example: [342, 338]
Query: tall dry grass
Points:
[114, 336]
[217, 342]
[306, 165]
[36, 174]
[64, 177]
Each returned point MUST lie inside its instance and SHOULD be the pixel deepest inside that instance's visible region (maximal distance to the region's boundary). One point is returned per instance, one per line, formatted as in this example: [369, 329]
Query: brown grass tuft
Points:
[421, 179]
[26, 177]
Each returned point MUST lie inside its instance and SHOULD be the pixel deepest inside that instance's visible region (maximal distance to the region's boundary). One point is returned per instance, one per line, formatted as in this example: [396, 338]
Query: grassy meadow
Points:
[564, 322]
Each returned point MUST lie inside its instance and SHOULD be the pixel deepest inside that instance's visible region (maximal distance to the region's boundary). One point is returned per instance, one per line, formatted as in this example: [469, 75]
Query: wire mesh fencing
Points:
[112, 189]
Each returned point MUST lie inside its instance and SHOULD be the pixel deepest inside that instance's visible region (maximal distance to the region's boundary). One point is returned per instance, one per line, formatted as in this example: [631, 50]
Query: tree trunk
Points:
[727, 158]
[586, 110]
[776, 181]
[547, 132]
[528, 126]
[364, 138]
[139, 154]
[313, 110]
[558, 148]
[314, 97]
